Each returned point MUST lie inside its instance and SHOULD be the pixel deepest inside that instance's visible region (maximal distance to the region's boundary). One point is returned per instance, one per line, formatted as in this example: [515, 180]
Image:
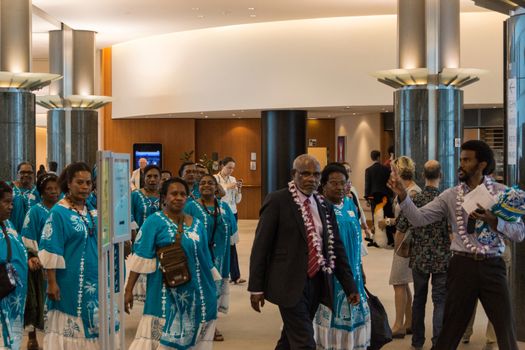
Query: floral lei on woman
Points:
[477, 247]
[327, 265]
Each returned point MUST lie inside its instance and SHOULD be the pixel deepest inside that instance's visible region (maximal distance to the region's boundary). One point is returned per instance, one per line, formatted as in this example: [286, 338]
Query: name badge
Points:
[194, 236]
[351, 213]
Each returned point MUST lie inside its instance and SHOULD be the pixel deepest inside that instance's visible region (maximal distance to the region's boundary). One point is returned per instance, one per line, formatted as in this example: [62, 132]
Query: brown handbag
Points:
[404, 249]
[173, 261]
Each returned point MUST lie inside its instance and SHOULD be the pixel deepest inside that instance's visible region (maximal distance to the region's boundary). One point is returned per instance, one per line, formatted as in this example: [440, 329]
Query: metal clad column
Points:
[283, 139]
[84, 136]
[514, 155]
[449, 45]
[411, 34]
[83, 78]
[15, 38]
[17, 106]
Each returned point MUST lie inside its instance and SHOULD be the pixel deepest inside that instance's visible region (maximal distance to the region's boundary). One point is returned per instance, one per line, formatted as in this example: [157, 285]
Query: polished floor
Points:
[245, 329]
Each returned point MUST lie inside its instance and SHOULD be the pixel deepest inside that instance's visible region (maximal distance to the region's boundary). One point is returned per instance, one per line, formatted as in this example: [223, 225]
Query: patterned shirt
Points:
[430, 245]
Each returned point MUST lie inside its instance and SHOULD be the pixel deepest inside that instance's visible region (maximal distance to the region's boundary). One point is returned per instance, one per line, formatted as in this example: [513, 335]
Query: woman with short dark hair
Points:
[47, 186]
[346, 326]
[173, 318]
[13, 255]
[69, 252]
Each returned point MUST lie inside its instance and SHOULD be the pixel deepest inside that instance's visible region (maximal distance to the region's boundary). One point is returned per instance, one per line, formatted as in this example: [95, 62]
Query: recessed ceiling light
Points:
[195, 8]
[354, 113]
[233, 114]
[347, 107]
[251, 8]
[202, 113]
[206, 116]
[252, 16]
[200, 16]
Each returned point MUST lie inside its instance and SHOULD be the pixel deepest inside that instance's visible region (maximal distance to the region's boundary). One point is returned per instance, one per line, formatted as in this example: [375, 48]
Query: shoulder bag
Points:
[173, 261]
[7, 271]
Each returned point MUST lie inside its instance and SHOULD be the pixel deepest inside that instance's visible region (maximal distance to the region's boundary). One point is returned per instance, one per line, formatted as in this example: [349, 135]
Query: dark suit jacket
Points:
[376, 177]
[279, 257]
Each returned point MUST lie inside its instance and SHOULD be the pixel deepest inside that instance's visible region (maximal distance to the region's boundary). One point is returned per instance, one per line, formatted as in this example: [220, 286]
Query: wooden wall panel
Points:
[175, 135]
[324, 131]
[236, 138]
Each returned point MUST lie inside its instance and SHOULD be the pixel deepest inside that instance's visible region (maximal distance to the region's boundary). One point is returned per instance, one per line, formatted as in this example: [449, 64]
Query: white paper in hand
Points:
[480, 195]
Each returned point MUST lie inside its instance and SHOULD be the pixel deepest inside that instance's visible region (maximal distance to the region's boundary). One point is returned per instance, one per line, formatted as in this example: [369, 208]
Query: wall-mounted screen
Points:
[151, 151]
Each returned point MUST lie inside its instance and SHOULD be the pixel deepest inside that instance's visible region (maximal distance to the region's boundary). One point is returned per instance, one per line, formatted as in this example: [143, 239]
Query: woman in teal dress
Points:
[346, 326]
[68, 251]
[182, 317]
[25, 194]
[220, 225]
[12, 305]
[36, 217]
[144, 202]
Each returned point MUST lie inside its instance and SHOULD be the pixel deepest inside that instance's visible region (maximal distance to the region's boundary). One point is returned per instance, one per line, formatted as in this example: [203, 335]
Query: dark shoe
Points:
[398, 335]
[369, 239]
[372, 244]
[465, 339]
[240, 281]
[218, 336]
[409, 330]
[32, 344]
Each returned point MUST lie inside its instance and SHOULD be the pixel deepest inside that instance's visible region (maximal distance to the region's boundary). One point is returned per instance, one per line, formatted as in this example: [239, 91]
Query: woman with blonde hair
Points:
[400, 274]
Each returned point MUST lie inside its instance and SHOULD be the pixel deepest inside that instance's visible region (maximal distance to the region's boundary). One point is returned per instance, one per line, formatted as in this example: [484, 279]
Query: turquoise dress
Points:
[69, 246]
[23, 199]
[31, 232]
[348, 326]
[142, 206]
[226, 227]
[12, 305]
[189, 308]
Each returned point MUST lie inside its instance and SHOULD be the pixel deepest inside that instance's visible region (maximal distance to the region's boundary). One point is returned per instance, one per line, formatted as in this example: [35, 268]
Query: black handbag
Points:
[173, 261]
[381, 332]
[7, 271]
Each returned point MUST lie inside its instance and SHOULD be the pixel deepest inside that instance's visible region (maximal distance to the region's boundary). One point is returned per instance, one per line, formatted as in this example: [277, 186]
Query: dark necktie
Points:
[313, 262]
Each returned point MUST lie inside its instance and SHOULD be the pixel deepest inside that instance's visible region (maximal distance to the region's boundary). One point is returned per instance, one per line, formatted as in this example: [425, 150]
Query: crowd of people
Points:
[306, 256]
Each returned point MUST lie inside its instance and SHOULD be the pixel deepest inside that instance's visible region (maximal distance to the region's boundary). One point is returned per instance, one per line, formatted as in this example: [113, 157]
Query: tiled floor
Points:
[245, 329]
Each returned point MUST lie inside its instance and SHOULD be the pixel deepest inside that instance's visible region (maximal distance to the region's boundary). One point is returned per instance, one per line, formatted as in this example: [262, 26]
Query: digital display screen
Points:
[152, 152]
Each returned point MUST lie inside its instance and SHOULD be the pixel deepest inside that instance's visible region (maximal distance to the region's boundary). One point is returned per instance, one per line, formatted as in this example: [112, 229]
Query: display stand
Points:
[113, 205]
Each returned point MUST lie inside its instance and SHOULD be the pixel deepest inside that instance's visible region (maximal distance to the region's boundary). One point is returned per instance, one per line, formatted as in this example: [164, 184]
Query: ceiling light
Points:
[202, 113]
[200, 16]
[347, 107]
[252, 16]
[195, 8]
[251, 8]
[206, 116]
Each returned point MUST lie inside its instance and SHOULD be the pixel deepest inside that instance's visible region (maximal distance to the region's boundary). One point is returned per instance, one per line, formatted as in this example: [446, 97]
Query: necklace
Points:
[215, 207]
[89, 228]
[327, 264]
[474, 245]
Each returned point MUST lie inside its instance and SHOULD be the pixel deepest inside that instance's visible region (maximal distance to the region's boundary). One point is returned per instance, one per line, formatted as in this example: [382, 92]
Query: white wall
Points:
[362, 136]
[289, 64]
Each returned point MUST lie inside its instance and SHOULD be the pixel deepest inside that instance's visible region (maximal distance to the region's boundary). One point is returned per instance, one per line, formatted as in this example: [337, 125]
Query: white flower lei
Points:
[326, 266]
[477, 247]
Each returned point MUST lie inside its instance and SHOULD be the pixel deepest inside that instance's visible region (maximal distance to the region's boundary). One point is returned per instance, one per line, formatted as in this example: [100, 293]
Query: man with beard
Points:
[476, 269]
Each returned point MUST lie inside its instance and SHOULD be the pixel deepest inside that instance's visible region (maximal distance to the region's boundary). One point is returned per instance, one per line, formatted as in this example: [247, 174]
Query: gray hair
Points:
[304, 158]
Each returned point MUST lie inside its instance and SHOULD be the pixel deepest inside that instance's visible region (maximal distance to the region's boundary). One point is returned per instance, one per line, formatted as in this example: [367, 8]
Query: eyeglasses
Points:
[305, 174]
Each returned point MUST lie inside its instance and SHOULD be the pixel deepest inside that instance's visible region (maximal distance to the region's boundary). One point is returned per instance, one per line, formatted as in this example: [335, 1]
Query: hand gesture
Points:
[257, 301]
[396, 185]
[53, 291]
[486, 216]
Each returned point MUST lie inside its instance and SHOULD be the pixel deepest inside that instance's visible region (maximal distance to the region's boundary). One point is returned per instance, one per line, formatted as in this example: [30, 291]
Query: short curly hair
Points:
[406, 168]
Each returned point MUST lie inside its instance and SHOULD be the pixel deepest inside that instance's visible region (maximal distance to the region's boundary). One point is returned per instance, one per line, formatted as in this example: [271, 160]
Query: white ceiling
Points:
[117, 21]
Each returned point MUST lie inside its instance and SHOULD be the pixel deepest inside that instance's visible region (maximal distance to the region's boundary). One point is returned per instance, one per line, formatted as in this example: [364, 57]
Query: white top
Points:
[135, 179]
[233, 196]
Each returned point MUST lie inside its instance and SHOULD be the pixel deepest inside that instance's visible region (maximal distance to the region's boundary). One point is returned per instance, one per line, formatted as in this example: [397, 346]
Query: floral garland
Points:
[477, 247]
[327, 265]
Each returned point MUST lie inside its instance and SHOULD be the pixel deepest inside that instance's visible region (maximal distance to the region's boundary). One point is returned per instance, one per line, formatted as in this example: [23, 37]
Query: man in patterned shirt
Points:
[429, 256]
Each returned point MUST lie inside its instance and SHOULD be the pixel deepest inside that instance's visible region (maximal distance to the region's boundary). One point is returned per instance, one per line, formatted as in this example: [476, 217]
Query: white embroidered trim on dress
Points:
[216, 275]
[148, 333]
[138, 264]
[30, 244]
[51, 261]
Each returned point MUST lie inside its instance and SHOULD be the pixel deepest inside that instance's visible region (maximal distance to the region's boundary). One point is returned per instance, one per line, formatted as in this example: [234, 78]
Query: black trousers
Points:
[298, 331]
[467, 281]
[235, 272]
[388, 212]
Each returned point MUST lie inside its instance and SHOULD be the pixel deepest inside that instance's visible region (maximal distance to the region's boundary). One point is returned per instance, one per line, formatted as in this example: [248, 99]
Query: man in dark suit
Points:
[295, 241]
[376, 178]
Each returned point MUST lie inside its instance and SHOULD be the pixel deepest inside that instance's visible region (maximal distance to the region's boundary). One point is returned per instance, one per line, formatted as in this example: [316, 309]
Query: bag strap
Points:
[6, 235]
